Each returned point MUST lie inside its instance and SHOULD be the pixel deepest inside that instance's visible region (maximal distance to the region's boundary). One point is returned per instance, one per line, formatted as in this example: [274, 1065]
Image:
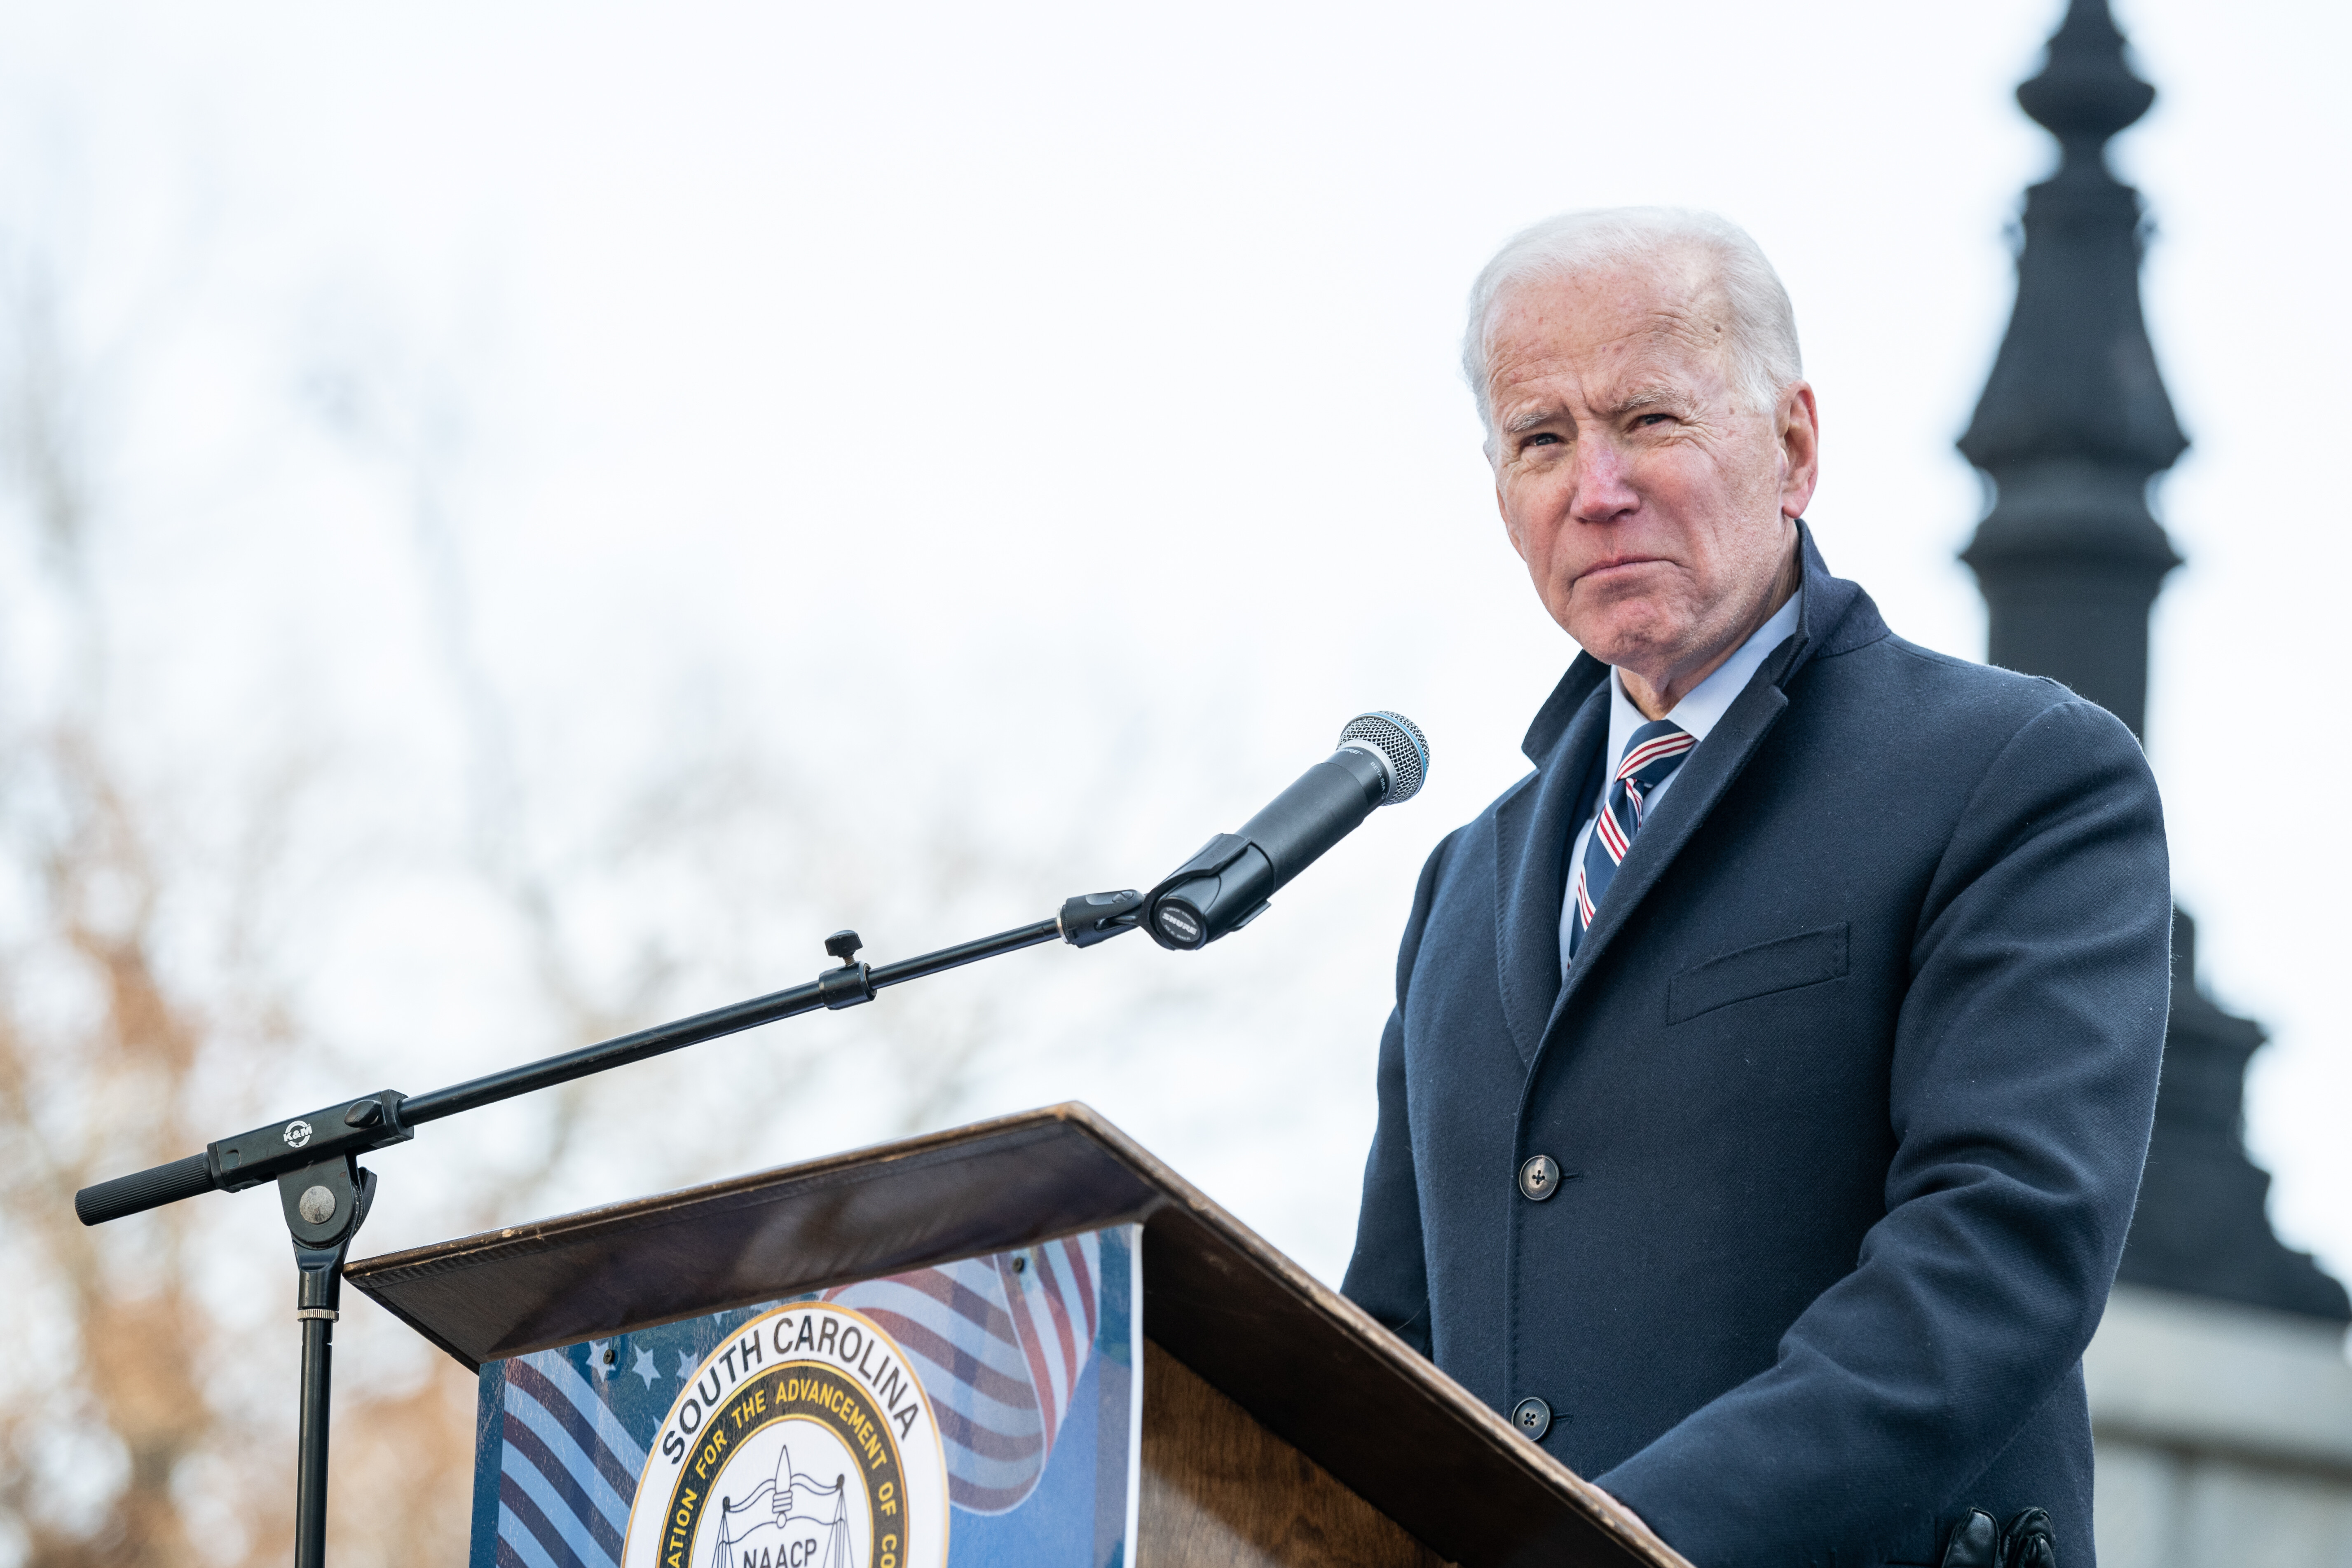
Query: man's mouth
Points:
[1604, 570]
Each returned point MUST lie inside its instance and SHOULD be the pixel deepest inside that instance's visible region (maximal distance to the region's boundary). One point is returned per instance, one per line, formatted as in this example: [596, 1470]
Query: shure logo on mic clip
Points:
[1179, 925]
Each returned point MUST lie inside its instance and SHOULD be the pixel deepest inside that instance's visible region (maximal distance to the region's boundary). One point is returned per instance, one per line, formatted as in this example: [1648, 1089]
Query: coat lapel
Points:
[1701, 783]
[1531, 831]
[1823, 601]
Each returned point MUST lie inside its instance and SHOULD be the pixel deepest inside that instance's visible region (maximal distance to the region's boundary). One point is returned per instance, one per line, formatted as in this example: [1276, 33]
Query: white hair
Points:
[1764, 357]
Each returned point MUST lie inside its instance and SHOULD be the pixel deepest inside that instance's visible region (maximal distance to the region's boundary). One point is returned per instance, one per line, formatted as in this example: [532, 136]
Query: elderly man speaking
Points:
[1772, 1068]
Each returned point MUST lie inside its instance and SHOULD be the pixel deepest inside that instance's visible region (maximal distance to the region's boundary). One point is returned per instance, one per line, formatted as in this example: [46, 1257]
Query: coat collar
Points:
[1534, 822]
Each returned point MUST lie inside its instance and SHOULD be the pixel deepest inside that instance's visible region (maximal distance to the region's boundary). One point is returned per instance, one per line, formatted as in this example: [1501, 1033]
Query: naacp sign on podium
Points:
[980, 1411]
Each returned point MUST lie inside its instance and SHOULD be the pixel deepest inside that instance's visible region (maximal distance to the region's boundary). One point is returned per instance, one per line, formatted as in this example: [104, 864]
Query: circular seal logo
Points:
[804, 1441]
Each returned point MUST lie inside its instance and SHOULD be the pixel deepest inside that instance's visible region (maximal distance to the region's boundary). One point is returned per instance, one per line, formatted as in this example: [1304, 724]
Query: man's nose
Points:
[1603, 478]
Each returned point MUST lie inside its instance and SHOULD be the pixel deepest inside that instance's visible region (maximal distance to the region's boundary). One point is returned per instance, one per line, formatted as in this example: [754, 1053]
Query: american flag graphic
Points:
[1000, 1343]
[567, 1469]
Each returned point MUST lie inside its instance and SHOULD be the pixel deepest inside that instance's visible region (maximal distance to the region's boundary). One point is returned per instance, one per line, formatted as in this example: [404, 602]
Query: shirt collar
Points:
[1704, 704]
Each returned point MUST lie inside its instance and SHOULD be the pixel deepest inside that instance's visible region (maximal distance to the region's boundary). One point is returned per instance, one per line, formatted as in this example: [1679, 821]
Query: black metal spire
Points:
[2074, 423]
[2202, 1226]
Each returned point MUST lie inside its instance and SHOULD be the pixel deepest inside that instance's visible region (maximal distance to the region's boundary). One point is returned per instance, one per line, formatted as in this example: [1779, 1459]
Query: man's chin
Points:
[1634, 634]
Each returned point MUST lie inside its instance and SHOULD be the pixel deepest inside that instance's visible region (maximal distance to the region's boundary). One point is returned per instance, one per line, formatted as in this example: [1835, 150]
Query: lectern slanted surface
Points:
[1308, 1365]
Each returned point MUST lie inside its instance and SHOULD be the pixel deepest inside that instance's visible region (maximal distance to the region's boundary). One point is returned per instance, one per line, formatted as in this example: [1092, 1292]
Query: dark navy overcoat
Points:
[1850, 1088]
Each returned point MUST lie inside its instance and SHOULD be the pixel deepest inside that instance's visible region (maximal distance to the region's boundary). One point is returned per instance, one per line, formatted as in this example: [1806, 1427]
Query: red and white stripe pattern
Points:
[1000, 1343]
[1653, 752]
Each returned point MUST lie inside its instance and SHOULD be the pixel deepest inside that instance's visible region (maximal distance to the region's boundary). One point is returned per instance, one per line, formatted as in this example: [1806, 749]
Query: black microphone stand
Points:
[325, 1193]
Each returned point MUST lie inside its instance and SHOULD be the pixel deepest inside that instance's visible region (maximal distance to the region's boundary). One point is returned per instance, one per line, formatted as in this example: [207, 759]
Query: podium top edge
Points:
[783, 1231]
[1011, 1129]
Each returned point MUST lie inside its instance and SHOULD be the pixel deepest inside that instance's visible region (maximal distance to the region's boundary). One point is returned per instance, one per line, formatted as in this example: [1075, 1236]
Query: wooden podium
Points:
[1281, 1425]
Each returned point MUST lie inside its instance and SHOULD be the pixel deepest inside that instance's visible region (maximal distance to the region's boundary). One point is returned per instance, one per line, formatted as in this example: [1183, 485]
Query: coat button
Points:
[1539, 1178]
[1532, 1416]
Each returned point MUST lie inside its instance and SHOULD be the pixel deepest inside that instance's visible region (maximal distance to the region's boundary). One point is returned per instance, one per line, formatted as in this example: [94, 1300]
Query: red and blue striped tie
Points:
[1652, 755]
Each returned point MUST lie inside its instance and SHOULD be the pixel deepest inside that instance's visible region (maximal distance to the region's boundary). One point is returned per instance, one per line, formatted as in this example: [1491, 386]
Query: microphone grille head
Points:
[1398, 738]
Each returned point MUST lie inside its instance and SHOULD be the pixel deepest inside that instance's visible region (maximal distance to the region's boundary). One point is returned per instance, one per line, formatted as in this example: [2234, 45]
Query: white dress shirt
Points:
[1699, 710]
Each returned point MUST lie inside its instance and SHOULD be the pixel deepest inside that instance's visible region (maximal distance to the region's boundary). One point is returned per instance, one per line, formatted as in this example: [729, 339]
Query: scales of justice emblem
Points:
[789, 1519]
[803, 1440]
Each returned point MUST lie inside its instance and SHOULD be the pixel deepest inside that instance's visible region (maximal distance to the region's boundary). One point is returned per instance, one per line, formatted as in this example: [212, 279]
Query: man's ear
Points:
[1800, 441]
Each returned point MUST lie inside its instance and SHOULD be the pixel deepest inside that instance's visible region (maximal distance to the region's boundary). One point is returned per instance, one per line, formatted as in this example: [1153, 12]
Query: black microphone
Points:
[1381, 760]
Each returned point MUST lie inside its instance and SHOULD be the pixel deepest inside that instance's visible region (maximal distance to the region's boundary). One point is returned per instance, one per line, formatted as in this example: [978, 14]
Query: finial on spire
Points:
[2085, 92]
[2074, 420]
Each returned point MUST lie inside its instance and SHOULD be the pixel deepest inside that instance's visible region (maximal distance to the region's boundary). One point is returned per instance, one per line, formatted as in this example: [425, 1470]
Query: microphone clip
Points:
[1186, 921]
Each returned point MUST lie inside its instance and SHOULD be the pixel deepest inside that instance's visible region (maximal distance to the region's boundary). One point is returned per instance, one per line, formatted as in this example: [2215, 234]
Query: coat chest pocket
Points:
[1781, 964]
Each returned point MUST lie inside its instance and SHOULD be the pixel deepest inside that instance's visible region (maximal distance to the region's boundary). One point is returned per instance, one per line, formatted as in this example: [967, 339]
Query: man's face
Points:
[1653, 511]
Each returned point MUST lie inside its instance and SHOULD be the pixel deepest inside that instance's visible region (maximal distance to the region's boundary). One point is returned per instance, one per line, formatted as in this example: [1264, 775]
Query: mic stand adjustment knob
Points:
[851, 984]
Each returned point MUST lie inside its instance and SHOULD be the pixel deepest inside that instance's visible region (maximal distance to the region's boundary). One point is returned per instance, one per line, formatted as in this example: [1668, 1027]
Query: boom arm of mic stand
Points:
[325, 1194]
[374, 1121]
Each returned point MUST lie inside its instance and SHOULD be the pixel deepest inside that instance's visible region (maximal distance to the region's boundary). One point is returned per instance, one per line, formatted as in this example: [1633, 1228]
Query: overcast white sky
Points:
[967, 394]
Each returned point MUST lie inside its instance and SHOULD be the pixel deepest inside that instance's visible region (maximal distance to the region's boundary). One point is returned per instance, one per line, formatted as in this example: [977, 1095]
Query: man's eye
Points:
[1540, 439]
[1647, 420]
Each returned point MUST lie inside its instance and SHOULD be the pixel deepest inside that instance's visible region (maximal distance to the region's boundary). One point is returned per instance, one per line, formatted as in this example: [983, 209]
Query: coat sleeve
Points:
[1389, 1274]
[2021, 1090]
